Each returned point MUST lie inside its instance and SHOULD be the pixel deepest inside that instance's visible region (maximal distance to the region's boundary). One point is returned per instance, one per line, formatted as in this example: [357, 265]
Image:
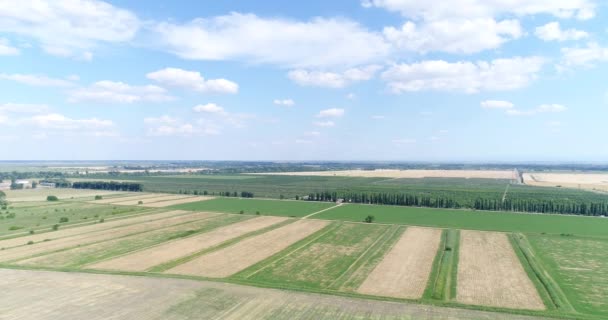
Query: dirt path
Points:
[315, 213]
[230, 260]
[490, 274]
[145, 259]
[404, 271]
[163, 204]
[42, 295]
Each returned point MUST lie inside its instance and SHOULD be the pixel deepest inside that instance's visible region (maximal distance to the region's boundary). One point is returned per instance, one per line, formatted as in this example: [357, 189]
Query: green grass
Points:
[251, 206]
[320, 263]
[84, 255]
[475, 220]
[442, 280]
[579, 266]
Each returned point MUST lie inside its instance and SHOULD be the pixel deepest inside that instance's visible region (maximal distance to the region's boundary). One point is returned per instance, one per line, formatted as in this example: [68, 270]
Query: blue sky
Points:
[444, 80]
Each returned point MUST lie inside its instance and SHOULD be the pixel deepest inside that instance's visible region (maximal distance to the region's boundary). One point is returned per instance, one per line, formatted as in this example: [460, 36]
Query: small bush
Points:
[30, 242]
[102, 220]
[55, 227]
[257, 213]
[369, 219]
[140, 202]
[242, 212]
[98, 197]
[32, 232]
[63, 219]
[13, 228]
[52, 198]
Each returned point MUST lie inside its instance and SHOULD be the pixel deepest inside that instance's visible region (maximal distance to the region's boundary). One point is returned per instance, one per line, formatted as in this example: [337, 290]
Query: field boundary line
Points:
[431, 287]
[385, 236]
[504, 195]
[326, 209]
[330, 227]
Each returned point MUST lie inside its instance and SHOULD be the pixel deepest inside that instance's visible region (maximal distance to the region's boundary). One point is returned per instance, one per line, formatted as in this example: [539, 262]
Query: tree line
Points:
[598, 208]
[108, 185]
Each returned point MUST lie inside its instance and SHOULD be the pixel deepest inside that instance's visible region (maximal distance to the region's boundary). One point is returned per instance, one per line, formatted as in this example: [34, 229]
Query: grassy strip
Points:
[549, 290]
[361, 268]
[172, 264]
[442, 284]
[252, 270]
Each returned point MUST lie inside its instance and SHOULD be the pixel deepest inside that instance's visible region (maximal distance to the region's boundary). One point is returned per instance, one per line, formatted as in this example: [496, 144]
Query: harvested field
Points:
[145, 259]
[131, 197]
[490, 274]
[43, 295]
[40, 194]
[163, 204]
[405, 269]
[321, 262]
[589, 181]
[83, 255]
[390, 173]
[158, 198]
[230, 260]
[82, 239]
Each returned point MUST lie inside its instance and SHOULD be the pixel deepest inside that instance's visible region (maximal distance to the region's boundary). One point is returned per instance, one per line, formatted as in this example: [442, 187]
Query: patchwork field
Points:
[284, 208]
[40, 194]
[405, 269]
[415, 174]
[577, 180]
[490, 274]
[580, 266]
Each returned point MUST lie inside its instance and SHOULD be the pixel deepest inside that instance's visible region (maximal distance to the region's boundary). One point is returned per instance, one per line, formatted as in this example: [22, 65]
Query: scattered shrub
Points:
[30, 242]
[13, 228]
[98, 197]
[55, 227]
[369, 219]
[52, 198]
[63, 219]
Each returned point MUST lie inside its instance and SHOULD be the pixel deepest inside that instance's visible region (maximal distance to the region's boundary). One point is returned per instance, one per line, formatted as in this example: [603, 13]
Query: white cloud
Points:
[168, 126]
[332, 79]
[351, 96]
[553, 32]
[443, 9]
[6, 49]
[454, 35]
[68, 27]
[325, 124]
[496, 104]
[3, 119]
[23, 108]
[192, 80]
[544, 108]
[119, 92]
[586, 56]
[36, 80]
[61, 122]
[331, 113]
[317, 43]
[284, 102]
[468, 77]
[210, 108]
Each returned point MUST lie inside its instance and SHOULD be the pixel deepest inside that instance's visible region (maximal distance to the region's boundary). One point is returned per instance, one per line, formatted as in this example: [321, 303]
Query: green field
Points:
[322, 262]
[579, 266]
[476, 220]
[285, 208]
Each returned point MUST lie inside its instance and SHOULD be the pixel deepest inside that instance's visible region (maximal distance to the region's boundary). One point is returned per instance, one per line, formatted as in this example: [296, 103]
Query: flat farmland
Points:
[580, 266]
[285, 208]
[168, 203]
[404, 271]
[320, 262]
[473, 220]
[40, 194]
[490, 274]
[232, 259]
[411, 174]
[577, 180]
[85, 255]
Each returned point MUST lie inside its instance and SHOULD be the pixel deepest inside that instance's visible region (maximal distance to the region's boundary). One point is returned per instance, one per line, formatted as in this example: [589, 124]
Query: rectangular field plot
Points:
[490, 274]
[285, 208]
[151, 200]
[472, 220]
[40, 194]
[83, 255]
[132, 196]
[579, 266]
[102, 235]
[322, 262]
[167, 252]
[405, 269]
[232, 259]
[168, 203]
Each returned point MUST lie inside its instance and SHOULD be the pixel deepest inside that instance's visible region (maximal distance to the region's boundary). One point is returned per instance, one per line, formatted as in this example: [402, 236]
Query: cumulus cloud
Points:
[210, 108]
[331, 113]
[23, 108]
[192, 80]
[284, 102]
[166, 126]
[332, 79]
[553, 32]
[316, 43]
[544, 108]
[61, 122]
[496, 104]
[454, 36]
[324, 124]
[464, 76]
[584, 56]
[68, 27]
[6, 49]
[36, 80]
[119, 92]
[443, 9]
